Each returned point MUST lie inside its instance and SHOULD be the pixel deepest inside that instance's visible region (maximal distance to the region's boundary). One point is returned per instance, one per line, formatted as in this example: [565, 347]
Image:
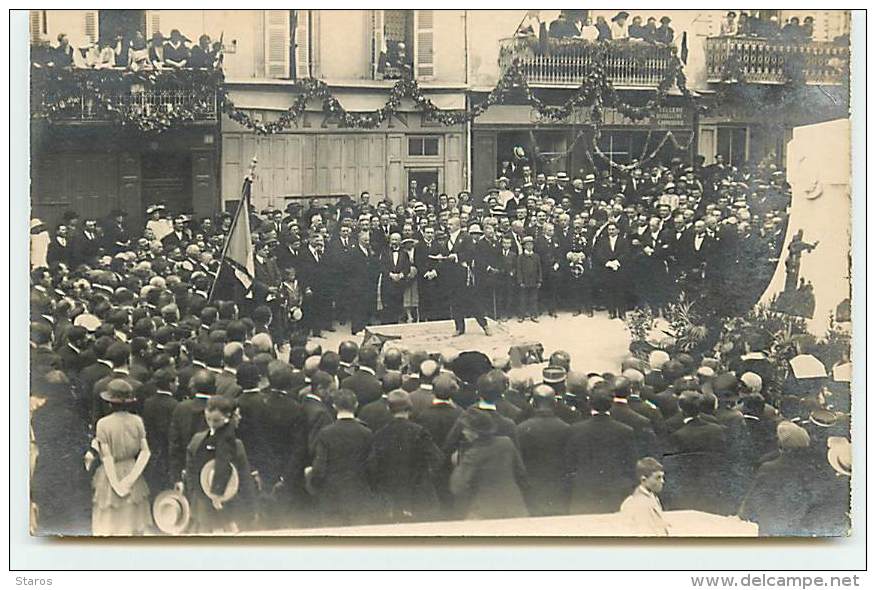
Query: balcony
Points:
[775, 61]
[71, 95]
[565, 62]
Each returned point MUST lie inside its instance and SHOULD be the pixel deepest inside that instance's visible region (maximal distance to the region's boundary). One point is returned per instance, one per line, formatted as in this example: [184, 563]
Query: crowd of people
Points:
[147, 377]
[578, 24]
[767, 27]
[133, 52]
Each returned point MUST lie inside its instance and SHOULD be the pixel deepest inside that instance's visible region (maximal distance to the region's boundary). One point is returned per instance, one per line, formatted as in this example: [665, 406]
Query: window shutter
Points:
[378, 41]
[302, 44]
[153, 23]
[90, 26]
[277, 43]
[424, 41]
[37, 25]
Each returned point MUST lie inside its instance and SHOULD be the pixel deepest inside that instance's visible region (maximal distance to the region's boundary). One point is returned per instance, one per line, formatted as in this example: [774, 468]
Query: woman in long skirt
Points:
[120, 504]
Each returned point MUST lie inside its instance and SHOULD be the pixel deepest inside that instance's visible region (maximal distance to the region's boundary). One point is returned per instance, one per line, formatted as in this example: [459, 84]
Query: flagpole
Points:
[244, 202]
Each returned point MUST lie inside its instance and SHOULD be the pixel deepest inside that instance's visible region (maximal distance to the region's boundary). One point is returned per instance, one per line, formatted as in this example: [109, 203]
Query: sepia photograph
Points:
[440, 272]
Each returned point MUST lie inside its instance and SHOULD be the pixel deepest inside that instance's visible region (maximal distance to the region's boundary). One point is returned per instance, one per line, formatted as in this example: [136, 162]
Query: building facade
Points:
[457, 57]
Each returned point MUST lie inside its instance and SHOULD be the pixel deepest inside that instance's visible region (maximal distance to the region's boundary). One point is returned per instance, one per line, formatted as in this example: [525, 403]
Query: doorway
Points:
[425, 178]
[167, 177]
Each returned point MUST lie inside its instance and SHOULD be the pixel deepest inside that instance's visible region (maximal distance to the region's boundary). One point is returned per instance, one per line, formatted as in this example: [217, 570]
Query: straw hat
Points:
[839, 455]
[171, 512]
[231, 488]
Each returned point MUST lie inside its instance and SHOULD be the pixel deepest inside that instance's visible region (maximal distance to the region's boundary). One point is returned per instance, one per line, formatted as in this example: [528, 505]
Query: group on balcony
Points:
[572, 24]
[767, 26]
[134, 53]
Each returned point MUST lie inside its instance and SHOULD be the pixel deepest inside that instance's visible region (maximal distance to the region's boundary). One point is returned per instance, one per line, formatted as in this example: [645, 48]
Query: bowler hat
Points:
[553, 375]
[171, 512]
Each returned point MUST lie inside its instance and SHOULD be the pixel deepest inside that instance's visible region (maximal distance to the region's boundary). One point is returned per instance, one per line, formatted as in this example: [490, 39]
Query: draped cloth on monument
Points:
[819, 172]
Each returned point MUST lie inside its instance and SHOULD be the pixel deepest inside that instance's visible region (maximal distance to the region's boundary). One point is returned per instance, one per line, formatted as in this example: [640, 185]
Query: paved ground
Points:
[596, 343]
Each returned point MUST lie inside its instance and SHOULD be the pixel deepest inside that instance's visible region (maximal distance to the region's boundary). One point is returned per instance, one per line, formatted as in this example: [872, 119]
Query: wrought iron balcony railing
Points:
[775, 61]
[565, 62]
[113, 95]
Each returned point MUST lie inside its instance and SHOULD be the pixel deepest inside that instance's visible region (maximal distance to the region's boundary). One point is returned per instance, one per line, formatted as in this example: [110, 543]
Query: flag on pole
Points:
[238, 255]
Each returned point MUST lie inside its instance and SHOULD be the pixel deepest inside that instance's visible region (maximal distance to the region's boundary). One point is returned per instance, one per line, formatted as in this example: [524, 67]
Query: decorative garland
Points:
[122, 96]
[62, 92]
[644, 158]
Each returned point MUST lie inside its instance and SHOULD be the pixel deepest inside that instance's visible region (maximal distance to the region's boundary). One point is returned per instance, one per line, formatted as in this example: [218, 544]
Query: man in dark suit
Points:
[458, 269]
[697, 435]
[312, 279]
[116, 233]
[506, 283]
[179, 237]
[610, 260]
[543, 439]
[284, 439]
[339, 473]
[600, 461]
[362, 282]
[403, 463]
[86, 244]
[395, 275]
[363, 382]
[157, 416]
[339, 257]
[188, 419]
[426, 259]
[646, 440]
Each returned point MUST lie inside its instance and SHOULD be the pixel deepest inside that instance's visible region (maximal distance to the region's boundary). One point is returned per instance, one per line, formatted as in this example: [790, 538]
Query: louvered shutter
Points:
[424, 44]
[277, 43]
[302, 44]
[37, 25]
[153, 23]
[90, 26]
[378, 42]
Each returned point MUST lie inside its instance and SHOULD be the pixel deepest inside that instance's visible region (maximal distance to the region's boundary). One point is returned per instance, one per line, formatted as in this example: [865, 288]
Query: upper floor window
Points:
[403, 44]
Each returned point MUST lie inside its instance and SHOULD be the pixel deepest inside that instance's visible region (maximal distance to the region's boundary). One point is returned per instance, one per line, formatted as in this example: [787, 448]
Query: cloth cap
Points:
[752, 381]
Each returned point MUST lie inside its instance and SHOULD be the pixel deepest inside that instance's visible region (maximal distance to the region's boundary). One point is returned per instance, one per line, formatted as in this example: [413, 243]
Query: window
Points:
[423, 146]
[733, 144]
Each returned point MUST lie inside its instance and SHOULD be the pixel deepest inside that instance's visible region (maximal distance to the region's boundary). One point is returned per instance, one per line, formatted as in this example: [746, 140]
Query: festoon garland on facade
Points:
[123, 96]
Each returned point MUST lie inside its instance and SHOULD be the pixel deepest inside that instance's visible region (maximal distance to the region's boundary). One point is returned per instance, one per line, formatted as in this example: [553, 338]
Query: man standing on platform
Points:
[458, 268]
[312, 277]
[395, 273]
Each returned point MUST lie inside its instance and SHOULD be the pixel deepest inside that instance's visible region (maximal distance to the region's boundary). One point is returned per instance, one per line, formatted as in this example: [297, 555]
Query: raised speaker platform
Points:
[438, 336]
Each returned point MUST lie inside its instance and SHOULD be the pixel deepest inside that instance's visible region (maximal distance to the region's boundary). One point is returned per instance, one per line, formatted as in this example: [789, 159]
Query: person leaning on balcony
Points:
[664, 33]
[156, 50]
[176, 54]
[808, 27]
[603, 28]
[106, 57]
[588, 31]
[618, 26]
[729, 26]
[636, 29]
[63, 53]
[138, 52]
[202, 55]
[563, 27]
